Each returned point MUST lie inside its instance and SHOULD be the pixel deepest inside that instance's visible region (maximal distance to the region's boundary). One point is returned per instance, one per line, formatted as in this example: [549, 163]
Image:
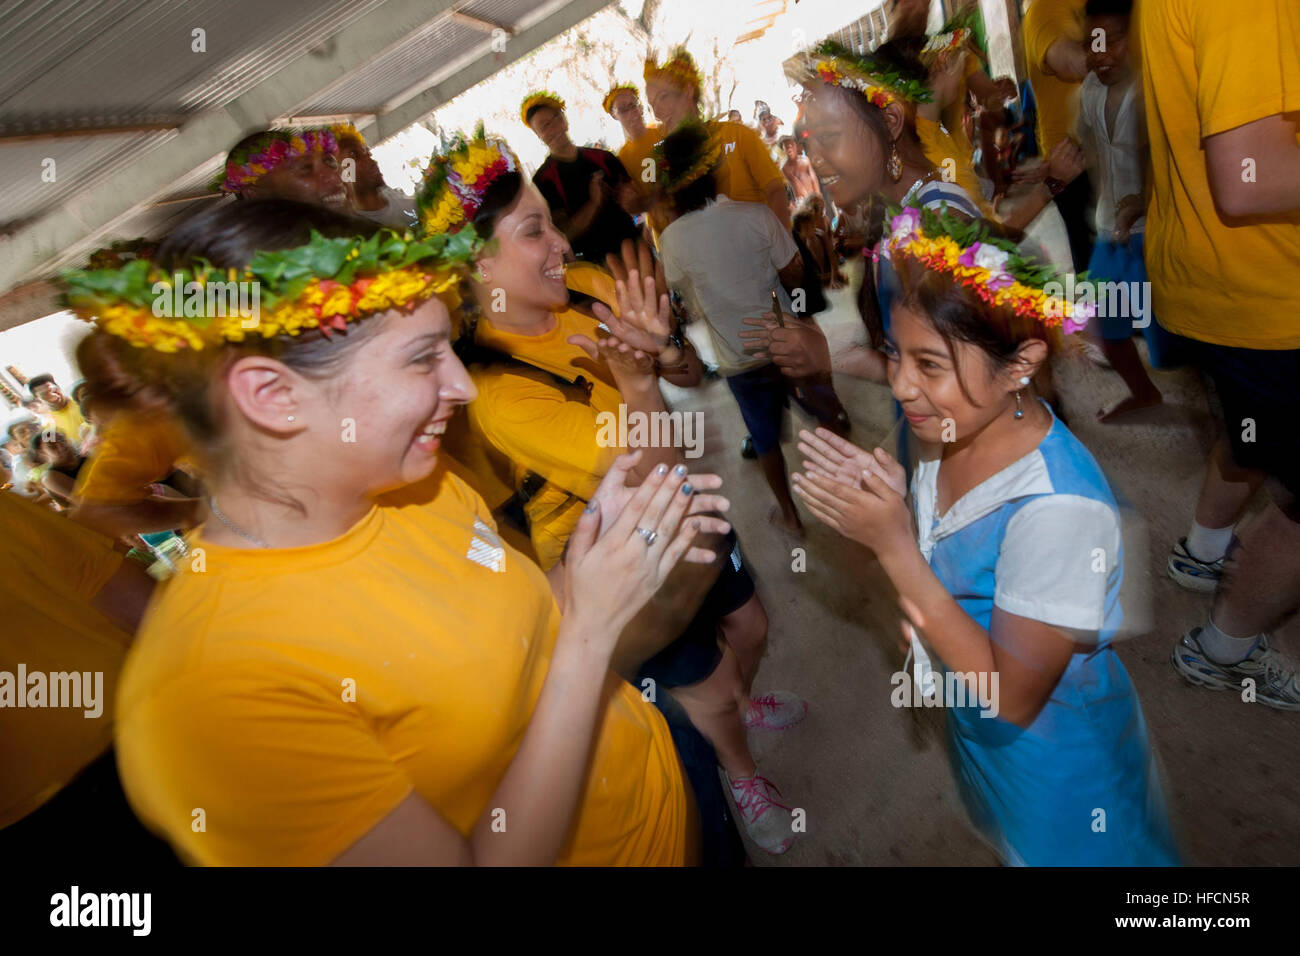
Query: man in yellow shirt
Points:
[1222, 86]
[66, 415]
[747, 172]
[71, 605]
[1056, 62]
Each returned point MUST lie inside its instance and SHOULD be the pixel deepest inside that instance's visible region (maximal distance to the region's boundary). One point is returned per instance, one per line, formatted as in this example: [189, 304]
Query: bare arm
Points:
[1067, 60]
[1268, 150]
[148, 515]
[774, 199]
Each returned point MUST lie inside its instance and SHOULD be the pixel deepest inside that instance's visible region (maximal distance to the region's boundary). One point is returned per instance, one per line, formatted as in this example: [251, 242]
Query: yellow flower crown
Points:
[679, 69]
[705, 152]
[325, 284]
[456, 181]
[881, 83]
[343, 132]
[540, 98]
[608, 102]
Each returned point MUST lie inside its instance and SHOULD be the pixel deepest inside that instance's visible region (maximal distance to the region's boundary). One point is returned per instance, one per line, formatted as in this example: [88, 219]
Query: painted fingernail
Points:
[687, 489]
[681, 470]
[590, 509]
[661, 470]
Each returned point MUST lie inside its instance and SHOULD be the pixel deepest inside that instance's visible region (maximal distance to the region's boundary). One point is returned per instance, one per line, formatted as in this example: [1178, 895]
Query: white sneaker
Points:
[1277, 681]
[766, 821]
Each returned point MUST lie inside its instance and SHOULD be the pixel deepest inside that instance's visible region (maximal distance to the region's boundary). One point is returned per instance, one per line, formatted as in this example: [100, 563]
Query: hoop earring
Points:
[895, 165]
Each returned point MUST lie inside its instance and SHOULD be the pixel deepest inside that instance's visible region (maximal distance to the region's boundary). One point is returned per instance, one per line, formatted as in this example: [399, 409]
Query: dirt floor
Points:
[874, 780]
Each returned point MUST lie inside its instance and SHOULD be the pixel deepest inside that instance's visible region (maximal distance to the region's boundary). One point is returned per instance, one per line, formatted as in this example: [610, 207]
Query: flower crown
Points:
[540, 98]
[608, 102]
[324, 284]
[346, 131]
[882, 84]
[679, 69]
[706, 150]
[455, 182]
[989, 266]
[250, 162]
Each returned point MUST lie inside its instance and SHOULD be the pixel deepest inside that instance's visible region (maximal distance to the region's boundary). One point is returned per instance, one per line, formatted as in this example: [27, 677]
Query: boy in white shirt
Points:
[727, 259]
[1113, 132]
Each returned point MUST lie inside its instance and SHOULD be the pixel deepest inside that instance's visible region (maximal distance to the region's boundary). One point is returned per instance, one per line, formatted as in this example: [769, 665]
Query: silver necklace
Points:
[212, 504]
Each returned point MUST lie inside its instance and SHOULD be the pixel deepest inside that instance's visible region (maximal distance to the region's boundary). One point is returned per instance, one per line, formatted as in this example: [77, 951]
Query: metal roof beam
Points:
[205, 139]
[414, 108]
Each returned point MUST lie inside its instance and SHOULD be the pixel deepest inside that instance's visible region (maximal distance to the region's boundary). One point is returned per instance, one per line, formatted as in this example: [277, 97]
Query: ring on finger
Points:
[648, 535]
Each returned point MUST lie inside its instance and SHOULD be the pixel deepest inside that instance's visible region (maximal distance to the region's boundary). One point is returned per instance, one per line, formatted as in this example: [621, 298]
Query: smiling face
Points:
[551, 127]
[400, 387]
[365, 169]
[671, 103]
[57, 451]
[528, 262]
[51, 395]
[923, 374]
[847, 155]
[1111, 64]
[627, 109]
[23, 432]
[313, 178]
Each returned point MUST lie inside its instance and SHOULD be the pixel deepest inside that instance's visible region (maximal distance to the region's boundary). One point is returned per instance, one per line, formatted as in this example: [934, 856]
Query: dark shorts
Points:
[764, 394]
[1260, 393]
[695, 654]
[1124, 262]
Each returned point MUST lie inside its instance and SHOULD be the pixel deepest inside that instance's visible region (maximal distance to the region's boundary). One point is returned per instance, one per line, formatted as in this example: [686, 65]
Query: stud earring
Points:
[1024, 380]
[289, 417]
[895, 163]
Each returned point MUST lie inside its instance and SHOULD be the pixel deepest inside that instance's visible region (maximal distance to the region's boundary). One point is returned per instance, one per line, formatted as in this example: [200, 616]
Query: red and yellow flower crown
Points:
[990, 267]
[250, 162]
[539, 98]
[326, 284]
[608, 102]
[456, 181]
[679, 69]
[836, 65]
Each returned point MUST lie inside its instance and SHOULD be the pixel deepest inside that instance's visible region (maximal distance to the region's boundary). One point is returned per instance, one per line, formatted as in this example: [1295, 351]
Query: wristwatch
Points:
[678, 341]
[1055, 186]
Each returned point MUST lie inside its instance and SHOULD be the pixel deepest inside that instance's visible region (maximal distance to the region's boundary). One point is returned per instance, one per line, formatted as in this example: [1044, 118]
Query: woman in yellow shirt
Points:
[555, 399]
[339, 676]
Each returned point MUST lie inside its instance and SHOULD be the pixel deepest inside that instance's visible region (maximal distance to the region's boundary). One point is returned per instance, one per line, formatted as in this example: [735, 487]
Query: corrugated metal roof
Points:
[68, 66]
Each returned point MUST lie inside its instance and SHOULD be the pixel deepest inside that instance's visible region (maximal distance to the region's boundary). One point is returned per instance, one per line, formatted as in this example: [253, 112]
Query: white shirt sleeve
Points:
[1056, 561]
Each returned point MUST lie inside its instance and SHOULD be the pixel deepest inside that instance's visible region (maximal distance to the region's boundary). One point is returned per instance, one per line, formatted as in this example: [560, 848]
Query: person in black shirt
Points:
[587, 189]
[53, 448]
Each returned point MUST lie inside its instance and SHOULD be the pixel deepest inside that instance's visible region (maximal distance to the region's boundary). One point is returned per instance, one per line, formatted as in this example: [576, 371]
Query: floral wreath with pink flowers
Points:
[989, 266]
[274, 148]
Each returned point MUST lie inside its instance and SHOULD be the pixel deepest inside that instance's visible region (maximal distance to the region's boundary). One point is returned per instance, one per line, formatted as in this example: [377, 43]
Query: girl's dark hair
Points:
[498, 199]
[959, 315]
[121, 376]
[681, 150]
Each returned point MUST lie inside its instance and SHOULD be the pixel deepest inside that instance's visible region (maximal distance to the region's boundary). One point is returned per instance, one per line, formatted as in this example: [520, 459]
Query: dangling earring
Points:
[895, 166]
[1020, 412]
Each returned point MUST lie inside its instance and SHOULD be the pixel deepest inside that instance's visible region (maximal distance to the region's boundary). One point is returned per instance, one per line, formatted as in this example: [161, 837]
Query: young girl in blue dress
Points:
[1009, 561]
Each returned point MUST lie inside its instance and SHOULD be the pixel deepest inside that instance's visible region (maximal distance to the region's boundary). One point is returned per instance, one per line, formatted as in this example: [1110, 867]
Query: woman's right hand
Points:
[610, 575]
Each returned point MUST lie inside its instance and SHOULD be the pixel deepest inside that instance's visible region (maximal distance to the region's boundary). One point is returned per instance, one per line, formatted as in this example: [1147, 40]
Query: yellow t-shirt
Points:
[745, 165]
[50, 569]
[69, 420]
[538, 426]
[1045, 22]
[1211, 67]
[634, 152]
[135, 450]
[235, 699]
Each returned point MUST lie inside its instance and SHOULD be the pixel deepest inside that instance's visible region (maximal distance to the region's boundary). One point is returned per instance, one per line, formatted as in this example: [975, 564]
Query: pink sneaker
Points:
[766, 821]
[775, 711]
